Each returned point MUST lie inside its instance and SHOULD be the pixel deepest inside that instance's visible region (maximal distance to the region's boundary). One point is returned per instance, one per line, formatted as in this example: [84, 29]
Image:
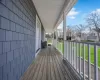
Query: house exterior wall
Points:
[17, 37]
[83, 36]
[92, 36]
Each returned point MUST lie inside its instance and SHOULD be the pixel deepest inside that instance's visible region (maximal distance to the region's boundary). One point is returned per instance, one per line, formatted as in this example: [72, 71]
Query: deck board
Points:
[48, 65]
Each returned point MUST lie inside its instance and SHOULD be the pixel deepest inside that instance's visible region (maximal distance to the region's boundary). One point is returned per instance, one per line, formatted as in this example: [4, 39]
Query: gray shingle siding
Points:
[17, 37]
[1, 70]
[2, 35]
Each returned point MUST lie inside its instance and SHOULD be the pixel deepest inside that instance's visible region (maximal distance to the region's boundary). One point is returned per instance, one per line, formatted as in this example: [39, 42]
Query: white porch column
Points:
[64, 33]
[56, 38]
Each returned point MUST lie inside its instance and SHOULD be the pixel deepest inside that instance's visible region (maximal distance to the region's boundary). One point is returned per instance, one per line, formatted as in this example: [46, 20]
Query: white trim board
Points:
[38, 34]
[37, 52]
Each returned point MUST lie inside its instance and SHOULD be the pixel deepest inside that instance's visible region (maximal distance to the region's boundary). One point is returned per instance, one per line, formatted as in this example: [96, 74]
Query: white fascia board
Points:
[65, 10]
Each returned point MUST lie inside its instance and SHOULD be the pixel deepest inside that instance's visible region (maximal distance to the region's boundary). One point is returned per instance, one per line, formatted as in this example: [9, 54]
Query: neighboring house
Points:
[69, 33]
[80, 36]
[84, 36]
[60, 32]
[72, 34]
[92, 36]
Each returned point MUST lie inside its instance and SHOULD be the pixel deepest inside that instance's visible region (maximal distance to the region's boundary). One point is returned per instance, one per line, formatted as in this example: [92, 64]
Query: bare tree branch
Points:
[93, 20]
[79, 30]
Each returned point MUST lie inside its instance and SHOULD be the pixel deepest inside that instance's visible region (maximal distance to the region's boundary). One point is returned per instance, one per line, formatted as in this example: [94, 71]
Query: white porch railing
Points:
[60, 46]
[78, 54]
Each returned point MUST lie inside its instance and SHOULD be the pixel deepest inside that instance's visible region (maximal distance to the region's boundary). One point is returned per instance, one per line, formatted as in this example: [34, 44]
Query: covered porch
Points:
[23, 24]
[49, 65]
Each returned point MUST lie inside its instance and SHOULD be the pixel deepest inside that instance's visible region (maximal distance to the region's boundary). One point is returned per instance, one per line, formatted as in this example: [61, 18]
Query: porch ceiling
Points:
[50, 11]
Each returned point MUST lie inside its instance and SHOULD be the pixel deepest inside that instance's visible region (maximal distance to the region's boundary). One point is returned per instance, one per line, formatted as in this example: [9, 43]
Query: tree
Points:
[70, 33]
[93, 20]
[79, 30]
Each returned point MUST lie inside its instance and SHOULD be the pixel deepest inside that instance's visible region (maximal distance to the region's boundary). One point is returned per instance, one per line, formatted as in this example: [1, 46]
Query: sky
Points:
[80, 10]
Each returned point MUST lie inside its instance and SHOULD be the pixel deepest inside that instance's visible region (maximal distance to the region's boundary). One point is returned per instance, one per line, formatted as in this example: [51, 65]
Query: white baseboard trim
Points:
[37, 52]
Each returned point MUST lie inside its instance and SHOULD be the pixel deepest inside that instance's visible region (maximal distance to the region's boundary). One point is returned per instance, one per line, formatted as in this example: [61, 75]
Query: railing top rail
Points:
[89, 43]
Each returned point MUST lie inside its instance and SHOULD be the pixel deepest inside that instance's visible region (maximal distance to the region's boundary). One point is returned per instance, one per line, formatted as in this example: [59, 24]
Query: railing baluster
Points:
[76, 58]
[75, 55]
[80, 58]
[78, 55]
[84, 62]
[67, 50]
[71, 53]
[95, 62]
[60, 47]
[89, 63]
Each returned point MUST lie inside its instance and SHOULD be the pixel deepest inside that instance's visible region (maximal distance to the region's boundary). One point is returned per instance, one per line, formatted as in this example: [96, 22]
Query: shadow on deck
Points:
[48, 65]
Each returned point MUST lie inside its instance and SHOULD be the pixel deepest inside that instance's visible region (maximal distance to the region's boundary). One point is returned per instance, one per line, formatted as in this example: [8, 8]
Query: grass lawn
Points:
[86, 52]
[91, 54]
[49, 40]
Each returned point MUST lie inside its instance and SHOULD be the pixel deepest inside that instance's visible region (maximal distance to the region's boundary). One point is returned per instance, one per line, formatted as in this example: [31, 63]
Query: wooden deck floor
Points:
[48, 65]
